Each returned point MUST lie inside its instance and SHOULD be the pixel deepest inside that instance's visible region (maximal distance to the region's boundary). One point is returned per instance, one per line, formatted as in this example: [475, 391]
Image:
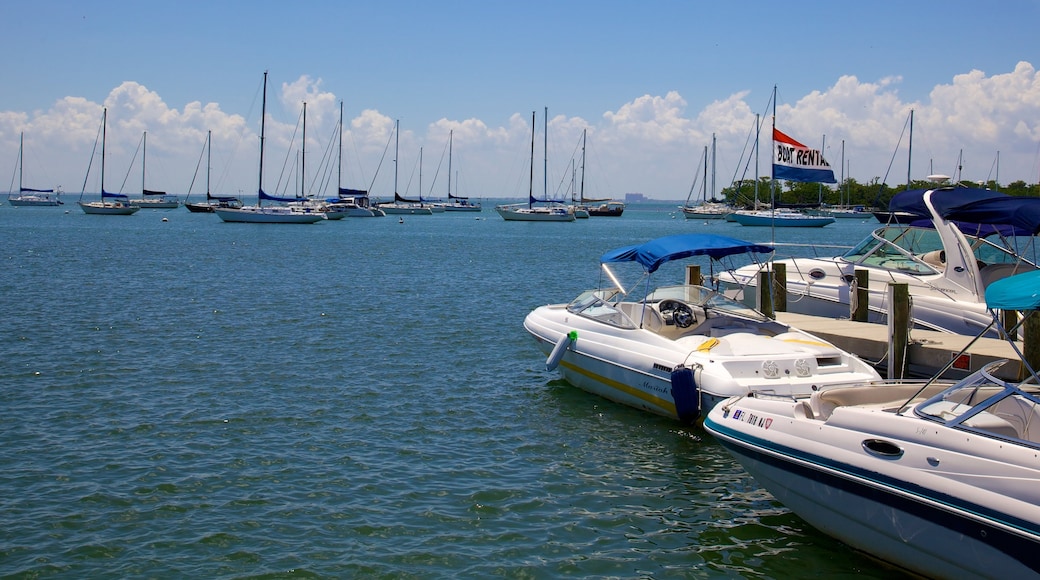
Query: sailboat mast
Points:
[303, 155]
[849, 202]
[263, 118]
[530, 181]
[819, 195]
[712, 167]
[339, 163]
[104, 132]
[545, 153]
[758, 135]
[583, 132]
[144, 157]
[21, 141]
[704, 183]
[910, 150]
[450, 134]
[397, 151]
[209, 158]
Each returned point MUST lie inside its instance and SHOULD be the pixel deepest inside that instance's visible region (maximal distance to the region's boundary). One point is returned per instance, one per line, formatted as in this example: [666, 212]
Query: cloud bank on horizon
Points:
[978, 126]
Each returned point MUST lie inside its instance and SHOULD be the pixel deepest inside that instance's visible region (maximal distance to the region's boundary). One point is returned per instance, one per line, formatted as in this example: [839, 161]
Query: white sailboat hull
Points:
[268, 215]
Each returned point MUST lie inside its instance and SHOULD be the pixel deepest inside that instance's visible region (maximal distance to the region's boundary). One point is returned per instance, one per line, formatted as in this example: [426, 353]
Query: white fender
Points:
[561, 347]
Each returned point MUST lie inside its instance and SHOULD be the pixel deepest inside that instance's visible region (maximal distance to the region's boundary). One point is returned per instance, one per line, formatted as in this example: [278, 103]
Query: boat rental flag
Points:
[796, 162]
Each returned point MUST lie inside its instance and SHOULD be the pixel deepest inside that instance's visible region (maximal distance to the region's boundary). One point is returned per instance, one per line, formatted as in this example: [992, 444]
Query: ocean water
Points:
[358, 398]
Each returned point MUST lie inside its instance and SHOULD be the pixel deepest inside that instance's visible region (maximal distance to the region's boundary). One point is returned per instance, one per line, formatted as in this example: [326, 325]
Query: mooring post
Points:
[765, 298]
[1031, 340]
[780, 287]
[898, 329]
[693, 275]
[862, 311]
[1008, 319]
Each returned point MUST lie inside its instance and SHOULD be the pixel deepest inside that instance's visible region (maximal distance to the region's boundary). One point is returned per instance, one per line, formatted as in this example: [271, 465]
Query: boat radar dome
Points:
[938, 178]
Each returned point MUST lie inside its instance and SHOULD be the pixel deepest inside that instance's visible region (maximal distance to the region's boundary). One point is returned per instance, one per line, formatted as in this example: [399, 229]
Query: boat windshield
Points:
[906, 249]
[705, 298]
[596, 304]
[986, 404]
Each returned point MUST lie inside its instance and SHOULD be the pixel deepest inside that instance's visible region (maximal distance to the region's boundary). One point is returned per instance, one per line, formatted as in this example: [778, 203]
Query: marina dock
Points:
[928, 351]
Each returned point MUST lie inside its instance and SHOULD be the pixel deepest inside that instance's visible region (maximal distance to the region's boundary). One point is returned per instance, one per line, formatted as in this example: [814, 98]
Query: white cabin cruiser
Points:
[963, 240]
[940, 479]
[681, 349]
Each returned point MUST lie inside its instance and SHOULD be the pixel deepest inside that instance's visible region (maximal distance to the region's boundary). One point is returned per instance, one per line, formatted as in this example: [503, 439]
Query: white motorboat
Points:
[680, 349]
[964, 240]
[939, 479]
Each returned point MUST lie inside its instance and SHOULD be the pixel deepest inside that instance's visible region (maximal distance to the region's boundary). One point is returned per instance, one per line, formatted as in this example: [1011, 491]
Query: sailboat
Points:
[707, 209]
[28, 196]
[536, 213]
[268, 214]
[149, 198]
[794, 162]
[402, 205]
[212, 201]
[111, 203]
[352, 202]
[455, 202]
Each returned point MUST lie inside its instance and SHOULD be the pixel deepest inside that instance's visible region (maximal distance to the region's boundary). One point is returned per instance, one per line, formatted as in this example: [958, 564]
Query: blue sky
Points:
[650, 82]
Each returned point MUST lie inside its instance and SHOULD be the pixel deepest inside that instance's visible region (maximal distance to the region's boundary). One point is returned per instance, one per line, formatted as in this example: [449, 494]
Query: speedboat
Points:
[963, 240]
[680, 349]
[937, 478]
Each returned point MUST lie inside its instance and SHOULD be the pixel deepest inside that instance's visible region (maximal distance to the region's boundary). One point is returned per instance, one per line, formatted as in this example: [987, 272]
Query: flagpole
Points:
[772, 175]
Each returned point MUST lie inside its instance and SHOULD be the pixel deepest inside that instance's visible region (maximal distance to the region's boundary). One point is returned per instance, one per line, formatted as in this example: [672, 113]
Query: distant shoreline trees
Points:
[849, 192]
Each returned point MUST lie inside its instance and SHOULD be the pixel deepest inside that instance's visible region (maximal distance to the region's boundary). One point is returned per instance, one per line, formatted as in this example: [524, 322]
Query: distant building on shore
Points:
[635, 198]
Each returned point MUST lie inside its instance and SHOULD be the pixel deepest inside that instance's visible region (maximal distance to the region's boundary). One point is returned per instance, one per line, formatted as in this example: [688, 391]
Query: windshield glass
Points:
[897, 248]
[595, 304]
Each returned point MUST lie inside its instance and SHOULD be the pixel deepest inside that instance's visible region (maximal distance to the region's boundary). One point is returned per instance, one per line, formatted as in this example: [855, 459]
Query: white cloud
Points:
[651, 144]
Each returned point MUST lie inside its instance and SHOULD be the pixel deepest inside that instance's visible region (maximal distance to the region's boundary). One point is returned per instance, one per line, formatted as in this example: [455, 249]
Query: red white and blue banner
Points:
[796, 162]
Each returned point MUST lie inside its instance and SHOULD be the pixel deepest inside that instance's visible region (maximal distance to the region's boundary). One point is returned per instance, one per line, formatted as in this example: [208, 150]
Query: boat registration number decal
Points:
[752, 419]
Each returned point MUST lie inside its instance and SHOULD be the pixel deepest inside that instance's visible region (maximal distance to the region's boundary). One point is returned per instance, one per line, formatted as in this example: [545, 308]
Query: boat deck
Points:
[929, 350]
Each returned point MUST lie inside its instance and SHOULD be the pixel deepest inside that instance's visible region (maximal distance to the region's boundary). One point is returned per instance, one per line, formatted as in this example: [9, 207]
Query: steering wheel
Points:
[682, 315]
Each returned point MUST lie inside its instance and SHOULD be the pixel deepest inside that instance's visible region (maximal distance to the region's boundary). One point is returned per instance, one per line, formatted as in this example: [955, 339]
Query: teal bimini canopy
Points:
[656, 252]
[1019, 292]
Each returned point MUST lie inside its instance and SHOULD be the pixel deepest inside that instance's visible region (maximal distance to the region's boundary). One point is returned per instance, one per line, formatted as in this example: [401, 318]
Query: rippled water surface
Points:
[352, 398]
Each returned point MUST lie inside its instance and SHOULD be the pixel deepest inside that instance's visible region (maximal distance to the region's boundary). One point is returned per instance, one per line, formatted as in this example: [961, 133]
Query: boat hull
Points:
[405, 210]
[271, 215]
[936, 510]
[781, 220]
[34, 202]
[148, 204]
[105, 208]
[635, 367]
[524, 214]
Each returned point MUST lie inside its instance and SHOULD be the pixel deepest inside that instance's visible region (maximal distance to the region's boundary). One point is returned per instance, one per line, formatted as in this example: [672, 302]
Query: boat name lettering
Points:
[752, 419]
[654, 387]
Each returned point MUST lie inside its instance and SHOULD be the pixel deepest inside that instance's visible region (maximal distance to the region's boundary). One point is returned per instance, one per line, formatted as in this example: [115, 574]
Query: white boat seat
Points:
[886, 396]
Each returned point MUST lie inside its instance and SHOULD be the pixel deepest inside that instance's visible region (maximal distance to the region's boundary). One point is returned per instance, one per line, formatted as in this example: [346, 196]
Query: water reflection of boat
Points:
[680, 349]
